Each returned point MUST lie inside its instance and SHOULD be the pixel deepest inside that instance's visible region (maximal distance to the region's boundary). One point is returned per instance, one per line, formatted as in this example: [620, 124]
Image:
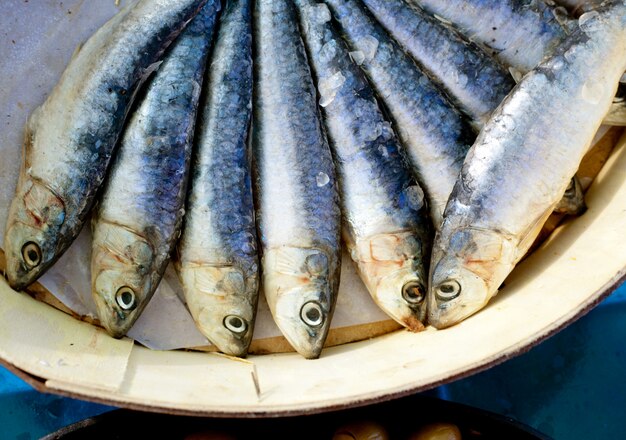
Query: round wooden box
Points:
[580, 263]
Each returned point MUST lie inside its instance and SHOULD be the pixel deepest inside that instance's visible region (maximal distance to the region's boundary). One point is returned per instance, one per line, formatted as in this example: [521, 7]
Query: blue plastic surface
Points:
[572, 386]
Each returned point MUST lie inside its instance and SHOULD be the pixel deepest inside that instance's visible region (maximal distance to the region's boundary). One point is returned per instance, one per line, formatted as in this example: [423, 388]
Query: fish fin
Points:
[79, 47]
[616, 115]
[528, 237]
[562, 17]
[516, 74]
[443, 20]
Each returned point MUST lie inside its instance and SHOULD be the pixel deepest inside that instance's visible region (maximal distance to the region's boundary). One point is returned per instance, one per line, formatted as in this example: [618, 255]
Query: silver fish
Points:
[508, 185]
[476, 81]
[385, 219]
[296, 190]
[519, 33]
[69, 140]
[435, 134]
[140, 213]
[217, 254]
[472, 78]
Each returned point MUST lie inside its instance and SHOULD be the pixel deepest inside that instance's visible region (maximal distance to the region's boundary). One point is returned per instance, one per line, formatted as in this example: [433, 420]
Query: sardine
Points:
[385, 220]
[508, 185]
[217, 254]
[519, 33]
[472, 78]
[434, 133]
[140, 213]
[69, 140]
[476, 81]
[296, 190]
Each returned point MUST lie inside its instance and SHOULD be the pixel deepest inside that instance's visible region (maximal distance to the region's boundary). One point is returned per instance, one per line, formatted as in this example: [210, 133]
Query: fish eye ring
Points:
[413, 292]
[31, 253]
[125, 298]
[448, 290]
[235, 324]
[312, 314]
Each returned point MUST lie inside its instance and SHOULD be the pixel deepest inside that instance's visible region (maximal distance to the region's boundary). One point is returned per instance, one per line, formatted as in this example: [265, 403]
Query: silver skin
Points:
[545, 125]
[385, 221]
[436, 136]
[217, 254]
[69, 140]
[519, 33]
[297, 199]
[472, 78]
[475, 81]
[139, 216]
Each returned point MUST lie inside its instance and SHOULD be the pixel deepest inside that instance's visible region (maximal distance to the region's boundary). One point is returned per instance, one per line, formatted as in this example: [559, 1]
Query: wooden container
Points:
[580, 263]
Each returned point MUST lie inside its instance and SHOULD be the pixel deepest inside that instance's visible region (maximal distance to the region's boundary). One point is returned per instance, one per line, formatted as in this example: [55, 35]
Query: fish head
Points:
[33, 233]
[222, 302]
[466, 273]
[122, 276]
[300, 289]
[393, 270]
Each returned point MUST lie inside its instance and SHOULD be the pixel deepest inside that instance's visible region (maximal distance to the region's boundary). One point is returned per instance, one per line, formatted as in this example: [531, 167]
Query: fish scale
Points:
[296, 190]
[475, 81]
[435, 135]
[69, 140]
[526, 153]
[385, 219]
[519, 33]
[140, 213]
[217, 254]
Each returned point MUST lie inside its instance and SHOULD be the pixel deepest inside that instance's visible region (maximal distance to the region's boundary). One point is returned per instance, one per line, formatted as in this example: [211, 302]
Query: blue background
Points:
[572, 386]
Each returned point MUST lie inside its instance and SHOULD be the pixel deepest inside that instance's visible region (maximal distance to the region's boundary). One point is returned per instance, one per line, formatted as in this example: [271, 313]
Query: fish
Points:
[385, 226]
[434, 133]
[295, 186]
[69, 140]
[519, 33]
[217, 255]
[508, 185]
[474, 80]
[139, 214]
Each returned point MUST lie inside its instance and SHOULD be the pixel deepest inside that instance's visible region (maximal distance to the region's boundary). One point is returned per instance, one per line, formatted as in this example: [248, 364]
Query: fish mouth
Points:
[444, 317]
[403, 300]
[222, 301]
[305, 325]
[232, 334]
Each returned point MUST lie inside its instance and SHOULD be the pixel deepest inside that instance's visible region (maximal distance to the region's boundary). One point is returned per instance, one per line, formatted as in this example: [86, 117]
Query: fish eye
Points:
[125, 298]
[31, 253]
[413, 292]
[312, 314]
[235, 324]
[448, 290]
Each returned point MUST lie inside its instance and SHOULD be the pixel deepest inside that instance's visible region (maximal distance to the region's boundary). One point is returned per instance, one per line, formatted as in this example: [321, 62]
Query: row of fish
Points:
[363, 118]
